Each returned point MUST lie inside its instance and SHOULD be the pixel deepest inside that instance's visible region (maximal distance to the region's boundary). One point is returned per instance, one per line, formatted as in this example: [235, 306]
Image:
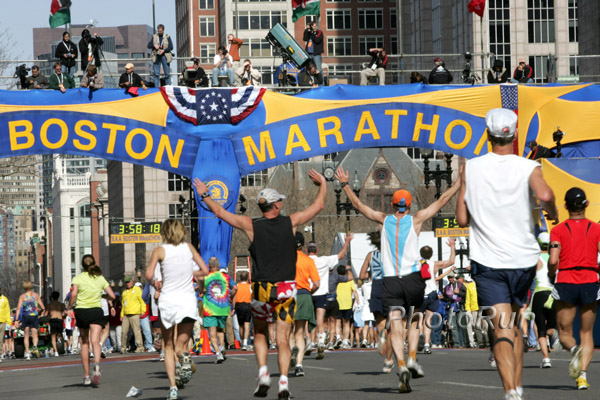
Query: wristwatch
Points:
[343, 184]
[205, 195]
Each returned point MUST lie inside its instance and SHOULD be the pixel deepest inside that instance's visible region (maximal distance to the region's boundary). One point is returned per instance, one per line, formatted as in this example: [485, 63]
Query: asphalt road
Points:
[342, 375]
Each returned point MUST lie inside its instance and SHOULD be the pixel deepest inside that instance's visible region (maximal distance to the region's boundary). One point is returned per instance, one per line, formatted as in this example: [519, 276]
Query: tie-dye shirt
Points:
[216, 298]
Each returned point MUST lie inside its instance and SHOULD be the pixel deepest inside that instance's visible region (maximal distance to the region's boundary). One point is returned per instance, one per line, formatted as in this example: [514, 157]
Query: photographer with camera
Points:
[233, 47]
[93, 79]
[194, 75]
[439, 75]
[162, 46]
[311, 76]
[376, 67]
[60, 81]
[523, 73]
[313, 37]
[89, 47]
[246, 75]
[223, 66]
[66, 52]
[36, 80]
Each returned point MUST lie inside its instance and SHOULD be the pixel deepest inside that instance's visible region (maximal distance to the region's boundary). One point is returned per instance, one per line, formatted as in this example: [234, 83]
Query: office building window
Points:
[207, 52]
[177, 183]
[393, 18]
[540, 68]
[368, 42]
[573, 66]
[540, 21]
[256, 48]
[499, 28]
[259, 178]
[339, 19]
[207, 26]
[339, 46]
[370, 18]
[573, 21]
[259, 19]
[206, 4]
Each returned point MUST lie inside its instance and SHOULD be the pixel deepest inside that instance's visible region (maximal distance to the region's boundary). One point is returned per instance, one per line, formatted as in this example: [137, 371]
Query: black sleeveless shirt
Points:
[273, 250]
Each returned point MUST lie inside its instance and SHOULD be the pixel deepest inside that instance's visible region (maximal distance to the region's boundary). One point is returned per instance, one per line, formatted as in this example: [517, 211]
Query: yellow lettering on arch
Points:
[15, 134]
[64, 133]
[420, 126]
[481, 143]
[448, 134]
[165, 144]
[395, 120]
[266, 145]
[112, 136]
[335, 130]
[366, 126]
[295, 132]
[129, 140]
[85, 135]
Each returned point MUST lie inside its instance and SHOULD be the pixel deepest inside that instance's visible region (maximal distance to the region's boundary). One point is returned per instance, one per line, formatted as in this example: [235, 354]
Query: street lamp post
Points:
[346, 206]
[438, 175]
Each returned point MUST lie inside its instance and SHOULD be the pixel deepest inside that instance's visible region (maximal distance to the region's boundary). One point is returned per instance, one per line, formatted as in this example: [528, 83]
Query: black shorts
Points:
[56, 326]
[332, 308]
[408, 291]
[578, 294]
[431, 302]
[89, 316]
[69, 332]
[345, 314]
[155, 324]
[375, 302]
[244, 312]
[30, 321]
[104, 319]
[545, 318]
[320, 301]
[497, 286]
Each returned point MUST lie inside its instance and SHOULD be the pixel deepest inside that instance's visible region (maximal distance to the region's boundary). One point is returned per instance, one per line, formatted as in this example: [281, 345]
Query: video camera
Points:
[557, 136]
[21, 72]
[467, 74]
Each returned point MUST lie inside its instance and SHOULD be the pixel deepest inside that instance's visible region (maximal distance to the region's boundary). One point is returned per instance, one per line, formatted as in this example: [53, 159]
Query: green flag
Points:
[305, 7]
[60, 14]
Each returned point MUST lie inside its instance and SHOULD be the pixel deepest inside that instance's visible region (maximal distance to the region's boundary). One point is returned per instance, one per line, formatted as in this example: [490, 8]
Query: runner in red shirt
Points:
[573, 265]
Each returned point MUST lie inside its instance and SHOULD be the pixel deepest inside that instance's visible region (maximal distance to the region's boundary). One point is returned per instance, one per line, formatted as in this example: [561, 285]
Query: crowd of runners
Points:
[521, 282]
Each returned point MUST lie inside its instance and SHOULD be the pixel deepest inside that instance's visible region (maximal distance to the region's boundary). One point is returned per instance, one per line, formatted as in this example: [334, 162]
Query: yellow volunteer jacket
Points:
[471, 300]
[132, 302]
[4, 311]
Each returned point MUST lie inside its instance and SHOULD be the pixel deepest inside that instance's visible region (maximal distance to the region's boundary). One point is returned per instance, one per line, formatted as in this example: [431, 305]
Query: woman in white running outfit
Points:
[86, 296]
[177, 302]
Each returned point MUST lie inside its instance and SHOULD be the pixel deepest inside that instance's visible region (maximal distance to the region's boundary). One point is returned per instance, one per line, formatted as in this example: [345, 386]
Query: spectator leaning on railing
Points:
[131, 79]
[311, 76]
[246, 75]
[93, 78]
[37, 80]
[60, 81]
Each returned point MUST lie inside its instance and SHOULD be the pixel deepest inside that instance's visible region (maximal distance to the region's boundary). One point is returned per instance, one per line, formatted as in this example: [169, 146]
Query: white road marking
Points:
[471, 385]
[321, 368]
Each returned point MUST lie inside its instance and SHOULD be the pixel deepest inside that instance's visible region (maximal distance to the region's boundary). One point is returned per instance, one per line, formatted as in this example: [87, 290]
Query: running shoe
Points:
[546, 363]
[556, 345]
[345, 344]
[575, 364]
[244, 347]
[388, 366]
[264, 383]
[28, 356]
[294, 356]
[162, 356]
[364, 344]
[173, 393]
[284, 391]
[338, 342]
[103, 354]
[96, 375]
[404, 376]
[513, 395]
[178, 380]
[582, 383]
[415, 369]
[186, 367]
[36, 352]
[421, 344]
[427, 349]
[56, 354]
[492, 361]
[321, 351]
[525, 344]
[330, 346]
[220, 358]
[87, 381]
[309, 349]
[299, 370]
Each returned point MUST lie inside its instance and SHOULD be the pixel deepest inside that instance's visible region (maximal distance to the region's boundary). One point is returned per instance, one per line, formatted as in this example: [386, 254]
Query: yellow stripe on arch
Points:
[476, 101]
[151, 109]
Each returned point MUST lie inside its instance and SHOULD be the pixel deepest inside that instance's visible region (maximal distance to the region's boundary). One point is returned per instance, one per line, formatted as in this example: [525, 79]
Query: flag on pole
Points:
[305, 7]
[60, 14]
[477, 7]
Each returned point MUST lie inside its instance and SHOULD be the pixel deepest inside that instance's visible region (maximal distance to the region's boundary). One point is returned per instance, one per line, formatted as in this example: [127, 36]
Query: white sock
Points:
[573, 349]
[283, 379]
[245, 342]
[298, 365]
[173, 387]
[583, 374]
[263, 370]
[520, 390]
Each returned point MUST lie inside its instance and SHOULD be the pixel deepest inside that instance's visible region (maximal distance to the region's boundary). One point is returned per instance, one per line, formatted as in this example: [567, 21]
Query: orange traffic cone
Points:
[205, 343]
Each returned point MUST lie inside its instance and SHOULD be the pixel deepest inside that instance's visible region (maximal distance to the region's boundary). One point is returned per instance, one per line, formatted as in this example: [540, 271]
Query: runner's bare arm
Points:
[450, 261]
[544, 194]
[442, 276]
[462, 212]
[200, 261]
[347, 241]
[158, 254]
[365, 266]
[237, 221]
[553, 259]
[73, 298]
[302, 217]
[376, 216]
[110, 293]
[40, 303]
[427, 213]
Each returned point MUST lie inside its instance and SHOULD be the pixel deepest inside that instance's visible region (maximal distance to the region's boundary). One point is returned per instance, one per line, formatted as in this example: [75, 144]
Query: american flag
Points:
[509, 94]
[214, 105]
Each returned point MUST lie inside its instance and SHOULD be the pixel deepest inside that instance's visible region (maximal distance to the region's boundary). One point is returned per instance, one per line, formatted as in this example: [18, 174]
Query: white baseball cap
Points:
[501, 122]
[270, 196]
